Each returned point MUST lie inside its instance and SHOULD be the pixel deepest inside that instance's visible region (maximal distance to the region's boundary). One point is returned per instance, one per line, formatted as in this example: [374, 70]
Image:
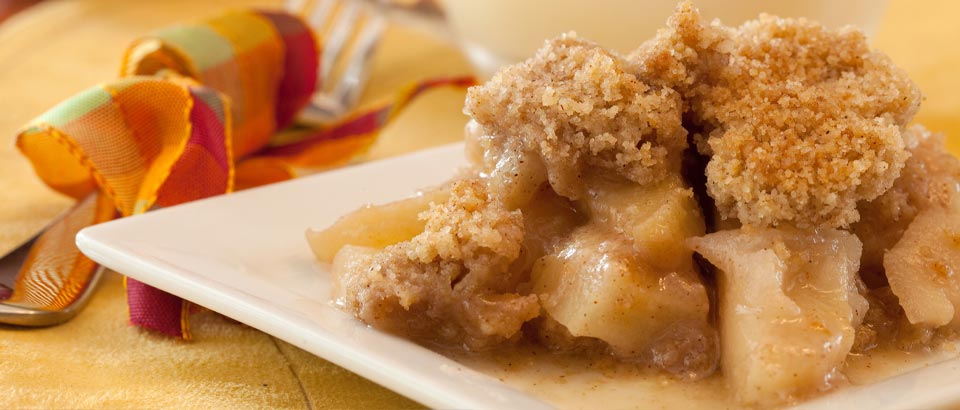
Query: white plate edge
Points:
[334, 352]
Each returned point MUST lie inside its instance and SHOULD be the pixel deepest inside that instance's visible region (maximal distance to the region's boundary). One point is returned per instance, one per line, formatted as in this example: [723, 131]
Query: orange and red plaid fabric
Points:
[192, 116]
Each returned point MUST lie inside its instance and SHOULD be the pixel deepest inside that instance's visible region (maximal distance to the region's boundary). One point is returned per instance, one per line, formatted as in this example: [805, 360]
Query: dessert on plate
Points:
[750, 201]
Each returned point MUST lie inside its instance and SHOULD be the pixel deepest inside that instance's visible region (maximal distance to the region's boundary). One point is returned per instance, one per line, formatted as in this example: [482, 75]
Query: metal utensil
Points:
[350, 32]
[31, 314]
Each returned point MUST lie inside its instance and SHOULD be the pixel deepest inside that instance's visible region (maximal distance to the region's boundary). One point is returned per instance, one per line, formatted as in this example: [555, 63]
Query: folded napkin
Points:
[196, 113]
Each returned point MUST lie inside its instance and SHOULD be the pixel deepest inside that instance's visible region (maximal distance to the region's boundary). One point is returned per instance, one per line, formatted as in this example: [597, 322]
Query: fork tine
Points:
[320, 14]
[350, 33]
[339, 34]
[11, 262]
[295, 6]
[348, 89]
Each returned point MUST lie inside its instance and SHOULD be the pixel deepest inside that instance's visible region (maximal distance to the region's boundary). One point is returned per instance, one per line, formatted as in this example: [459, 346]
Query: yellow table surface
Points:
[59, 48]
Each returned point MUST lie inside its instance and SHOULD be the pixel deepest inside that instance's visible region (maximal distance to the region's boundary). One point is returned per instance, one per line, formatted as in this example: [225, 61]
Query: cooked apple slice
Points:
[375, 226]
[922, 267]
[513, 174]
[348, 260]
[516, 178]
[656, 218]
[475, 143]
[547, 219]
[595, 286]
[788, 308]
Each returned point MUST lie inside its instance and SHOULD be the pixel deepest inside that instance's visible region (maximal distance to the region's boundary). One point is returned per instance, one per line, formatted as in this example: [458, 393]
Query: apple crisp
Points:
[744, 200]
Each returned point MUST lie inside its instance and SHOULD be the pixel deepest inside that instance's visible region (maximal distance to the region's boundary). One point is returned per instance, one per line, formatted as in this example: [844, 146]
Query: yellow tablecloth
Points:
[97, 361]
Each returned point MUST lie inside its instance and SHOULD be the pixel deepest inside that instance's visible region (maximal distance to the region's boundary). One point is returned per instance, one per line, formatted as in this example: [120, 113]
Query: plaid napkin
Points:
[195, 113]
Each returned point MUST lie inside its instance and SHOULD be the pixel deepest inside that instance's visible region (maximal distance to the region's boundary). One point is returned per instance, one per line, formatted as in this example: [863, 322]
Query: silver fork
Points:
[24, 314]
[350, 32]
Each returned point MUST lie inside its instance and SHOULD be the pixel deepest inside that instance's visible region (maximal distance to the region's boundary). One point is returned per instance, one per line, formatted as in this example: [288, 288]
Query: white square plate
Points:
[244, 255]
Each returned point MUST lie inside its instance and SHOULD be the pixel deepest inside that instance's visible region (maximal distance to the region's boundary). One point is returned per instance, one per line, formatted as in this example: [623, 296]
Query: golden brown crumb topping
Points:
[449, 283]
[801, 122]
[579, 105]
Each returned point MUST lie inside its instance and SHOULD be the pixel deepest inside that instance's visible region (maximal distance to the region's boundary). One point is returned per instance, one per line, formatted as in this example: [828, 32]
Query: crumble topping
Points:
[578, 105]
[800, 122]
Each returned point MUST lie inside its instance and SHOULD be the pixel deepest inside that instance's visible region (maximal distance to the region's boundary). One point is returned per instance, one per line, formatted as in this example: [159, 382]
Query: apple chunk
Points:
[656, 218]
[375, 226]
[594, 285]
[788, 308]
[922, 267]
